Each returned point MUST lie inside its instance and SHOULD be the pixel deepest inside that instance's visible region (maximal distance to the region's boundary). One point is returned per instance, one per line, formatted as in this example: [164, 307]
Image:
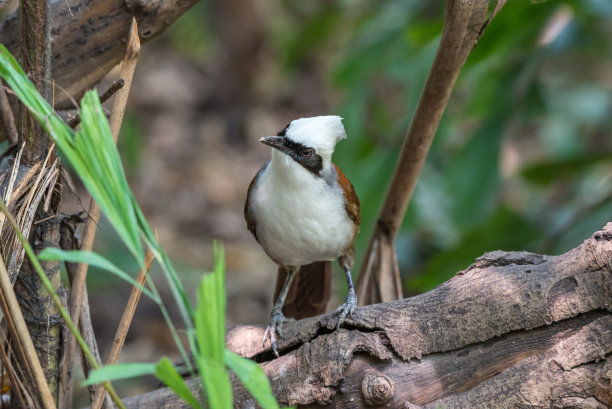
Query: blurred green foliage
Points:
[523, 152]
[523, 155]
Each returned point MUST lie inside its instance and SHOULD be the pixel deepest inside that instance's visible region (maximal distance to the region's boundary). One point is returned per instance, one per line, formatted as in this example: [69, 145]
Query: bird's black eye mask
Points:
[302, 154]
[305, 156]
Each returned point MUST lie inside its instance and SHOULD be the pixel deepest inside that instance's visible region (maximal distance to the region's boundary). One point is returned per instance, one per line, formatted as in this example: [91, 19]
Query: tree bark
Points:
[89, 36]
[513, 330]
[39, 311]
[35, 57]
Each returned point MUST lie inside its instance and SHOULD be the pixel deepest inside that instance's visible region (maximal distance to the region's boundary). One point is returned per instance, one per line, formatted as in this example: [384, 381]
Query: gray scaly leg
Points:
[348, 308]
[277, 318]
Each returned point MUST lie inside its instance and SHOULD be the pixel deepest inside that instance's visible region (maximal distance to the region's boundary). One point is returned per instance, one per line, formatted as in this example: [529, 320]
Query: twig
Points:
[28, 212]
[8, 194]
[23, 335]
[458, 39]
[24, 184]
[69, 241]
[124, 325]
[8, 119]
[115, 86]
[127, 72]
[86, 328]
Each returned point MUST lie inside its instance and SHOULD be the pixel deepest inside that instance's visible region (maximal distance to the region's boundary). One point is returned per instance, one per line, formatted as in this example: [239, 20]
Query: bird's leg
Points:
[277, 318]
[348, 308]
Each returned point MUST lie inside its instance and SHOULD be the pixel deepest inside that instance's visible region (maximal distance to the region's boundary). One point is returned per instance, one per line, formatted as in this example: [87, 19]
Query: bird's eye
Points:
[307, 152]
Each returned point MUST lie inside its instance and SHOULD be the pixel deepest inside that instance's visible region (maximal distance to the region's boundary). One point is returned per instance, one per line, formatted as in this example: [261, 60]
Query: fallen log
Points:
[513, 330]
[89, 37]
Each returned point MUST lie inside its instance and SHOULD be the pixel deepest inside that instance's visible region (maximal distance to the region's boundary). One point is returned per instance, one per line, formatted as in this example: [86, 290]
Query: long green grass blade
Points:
[216, 382]
[93, 259]
[210, 332]
[253, 378]
[119, 371]
[93, 155]
[90, 151]
[56, 300]
[166, 372]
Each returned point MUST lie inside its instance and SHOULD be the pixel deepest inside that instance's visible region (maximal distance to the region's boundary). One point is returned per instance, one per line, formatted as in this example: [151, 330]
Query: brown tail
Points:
[310, 291]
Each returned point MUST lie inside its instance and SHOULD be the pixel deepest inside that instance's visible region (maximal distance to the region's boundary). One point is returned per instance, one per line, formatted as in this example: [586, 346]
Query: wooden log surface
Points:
[513, 330]
[89, 37]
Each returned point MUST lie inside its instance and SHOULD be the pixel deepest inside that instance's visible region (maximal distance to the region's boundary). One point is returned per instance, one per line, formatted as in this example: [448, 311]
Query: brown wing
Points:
[248, 214]
[309, 292]
[351, 200]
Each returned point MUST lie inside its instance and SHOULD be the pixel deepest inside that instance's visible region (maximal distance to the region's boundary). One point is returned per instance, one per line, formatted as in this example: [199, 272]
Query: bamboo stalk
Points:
[464, 24]
[89, 234]
[127, 73]
[124, 325]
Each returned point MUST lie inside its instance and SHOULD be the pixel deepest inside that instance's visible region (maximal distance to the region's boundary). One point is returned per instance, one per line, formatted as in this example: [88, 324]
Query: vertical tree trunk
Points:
[40, 313]
[35, 50]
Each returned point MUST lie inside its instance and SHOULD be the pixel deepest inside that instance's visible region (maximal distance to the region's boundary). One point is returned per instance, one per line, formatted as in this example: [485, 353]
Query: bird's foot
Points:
[275, 326]
[348, 308]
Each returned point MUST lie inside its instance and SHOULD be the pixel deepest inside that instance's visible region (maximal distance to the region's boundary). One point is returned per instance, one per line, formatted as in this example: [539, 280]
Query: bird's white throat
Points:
[301, 218]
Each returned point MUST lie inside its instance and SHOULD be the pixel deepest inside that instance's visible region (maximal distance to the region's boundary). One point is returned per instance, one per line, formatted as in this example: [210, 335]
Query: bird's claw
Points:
[348, 308]
[275, 326]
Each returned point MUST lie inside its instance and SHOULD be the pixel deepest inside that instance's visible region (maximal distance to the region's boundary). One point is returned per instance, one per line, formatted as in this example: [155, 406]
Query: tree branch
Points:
[464, 24]
[89, 37]
[512, 329]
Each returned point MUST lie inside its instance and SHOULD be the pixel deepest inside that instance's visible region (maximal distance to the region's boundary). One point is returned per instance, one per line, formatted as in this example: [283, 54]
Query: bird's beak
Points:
[278, 142]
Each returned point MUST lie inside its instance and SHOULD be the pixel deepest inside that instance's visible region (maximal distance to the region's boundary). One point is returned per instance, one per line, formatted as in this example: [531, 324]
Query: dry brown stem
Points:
[464, 23]
[115, 86]
[89, 234]
[20, 333]
[70, 241]
[124, 325]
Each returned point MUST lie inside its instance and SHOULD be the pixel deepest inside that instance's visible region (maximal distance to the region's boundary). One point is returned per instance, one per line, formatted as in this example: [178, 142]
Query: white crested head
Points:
[320, 133]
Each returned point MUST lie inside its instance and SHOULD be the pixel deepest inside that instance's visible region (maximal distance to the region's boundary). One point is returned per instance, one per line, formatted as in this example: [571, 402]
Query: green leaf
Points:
[216, 382]
[93, 155]
[518, 233]
[210, 334]
[210, 313]
[167, 373]
[119, 371]
[253, 378]
[93, 259]
[549, 171]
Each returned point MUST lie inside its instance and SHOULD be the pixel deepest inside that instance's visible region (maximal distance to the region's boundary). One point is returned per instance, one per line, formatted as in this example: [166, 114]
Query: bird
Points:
[302, 209]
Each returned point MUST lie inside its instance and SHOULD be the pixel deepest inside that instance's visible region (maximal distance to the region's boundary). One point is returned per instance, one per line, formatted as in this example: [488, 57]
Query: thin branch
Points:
[378, 281]
[112, 90]
[124, 324]
[115, 86]
[127, 72]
